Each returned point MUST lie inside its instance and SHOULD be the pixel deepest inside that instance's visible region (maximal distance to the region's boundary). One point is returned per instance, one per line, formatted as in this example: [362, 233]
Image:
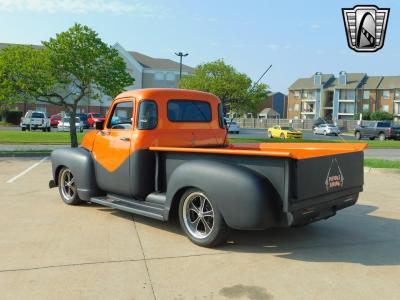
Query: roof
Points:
[389, 82]
[353, 80]
[144, 60]
[168, 93]
[158, 63]
[269, 112]
[372, 82]
[308, 83]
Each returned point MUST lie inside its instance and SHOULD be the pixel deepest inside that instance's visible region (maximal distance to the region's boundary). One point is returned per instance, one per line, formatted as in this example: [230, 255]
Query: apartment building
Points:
[148, 72]
[341, 97]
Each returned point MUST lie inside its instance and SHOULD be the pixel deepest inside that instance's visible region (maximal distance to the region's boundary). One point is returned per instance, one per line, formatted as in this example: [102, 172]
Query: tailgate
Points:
[320, 178]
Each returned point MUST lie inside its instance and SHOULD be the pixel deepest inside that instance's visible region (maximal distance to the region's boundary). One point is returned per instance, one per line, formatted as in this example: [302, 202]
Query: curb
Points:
[43, 154]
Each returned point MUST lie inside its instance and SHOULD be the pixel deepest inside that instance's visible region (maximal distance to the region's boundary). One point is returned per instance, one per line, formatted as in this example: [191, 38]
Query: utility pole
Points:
[180, 54]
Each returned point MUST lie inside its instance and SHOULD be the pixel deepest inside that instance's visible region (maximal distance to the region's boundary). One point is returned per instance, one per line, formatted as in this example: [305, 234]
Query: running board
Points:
[143, 208]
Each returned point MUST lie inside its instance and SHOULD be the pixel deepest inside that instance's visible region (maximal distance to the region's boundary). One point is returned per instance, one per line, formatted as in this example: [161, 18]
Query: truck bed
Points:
[289, 150]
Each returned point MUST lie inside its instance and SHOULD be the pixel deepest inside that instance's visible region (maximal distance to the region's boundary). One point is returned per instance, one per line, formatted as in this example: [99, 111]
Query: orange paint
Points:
[111, 147]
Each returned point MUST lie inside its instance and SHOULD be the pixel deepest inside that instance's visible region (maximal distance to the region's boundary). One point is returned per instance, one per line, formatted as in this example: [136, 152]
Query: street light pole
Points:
[180, 54]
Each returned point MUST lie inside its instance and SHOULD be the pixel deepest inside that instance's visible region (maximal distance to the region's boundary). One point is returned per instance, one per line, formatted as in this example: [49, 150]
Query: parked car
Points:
[176, 160]
[34, 120]
[84, 119]
[380, 129]
[318, 122]
[64, 124]
[326, 129]
[232, 126]
[55, 119]
[92, 118]
[284, 132]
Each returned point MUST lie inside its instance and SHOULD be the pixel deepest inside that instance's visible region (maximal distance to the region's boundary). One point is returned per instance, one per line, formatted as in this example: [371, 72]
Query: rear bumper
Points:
[316, 209]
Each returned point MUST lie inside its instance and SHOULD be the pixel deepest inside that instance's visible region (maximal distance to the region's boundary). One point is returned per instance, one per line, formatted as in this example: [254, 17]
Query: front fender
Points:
[246, 199]
[80, 162]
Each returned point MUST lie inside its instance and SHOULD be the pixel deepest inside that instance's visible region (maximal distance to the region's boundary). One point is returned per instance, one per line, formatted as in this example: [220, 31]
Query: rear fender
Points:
[246, 199]
[80, 162]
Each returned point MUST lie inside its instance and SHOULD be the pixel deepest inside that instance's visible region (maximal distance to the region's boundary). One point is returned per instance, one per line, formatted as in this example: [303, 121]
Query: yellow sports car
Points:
[284, 132]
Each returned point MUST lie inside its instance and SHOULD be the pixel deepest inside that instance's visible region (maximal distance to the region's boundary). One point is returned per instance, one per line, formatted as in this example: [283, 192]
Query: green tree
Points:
[381, 115]
[74, 65]
[233, 88]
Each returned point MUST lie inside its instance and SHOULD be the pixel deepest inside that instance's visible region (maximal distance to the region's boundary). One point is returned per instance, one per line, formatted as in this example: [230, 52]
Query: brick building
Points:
[342, 97]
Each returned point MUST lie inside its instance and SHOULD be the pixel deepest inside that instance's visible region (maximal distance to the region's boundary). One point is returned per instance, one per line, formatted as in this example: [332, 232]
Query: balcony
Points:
[347, 100]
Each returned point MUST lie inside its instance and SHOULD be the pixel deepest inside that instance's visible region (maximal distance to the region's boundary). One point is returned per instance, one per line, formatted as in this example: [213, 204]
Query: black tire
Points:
[73, 199]
[372, 138]
[23, 128]
[28, 128]
[44, 129]
[48, 129]
[358, 135]
[219, 230]
[382, 136]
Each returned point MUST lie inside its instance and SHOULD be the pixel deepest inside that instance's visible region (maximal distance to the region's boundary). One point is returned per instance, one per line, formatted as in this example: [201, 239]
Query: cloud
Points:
[76, 6]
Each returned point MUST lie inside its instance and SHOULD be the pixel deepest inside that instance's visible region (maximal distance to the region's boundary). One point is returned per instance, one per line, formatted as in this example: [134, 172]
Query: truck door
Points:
[111, 150]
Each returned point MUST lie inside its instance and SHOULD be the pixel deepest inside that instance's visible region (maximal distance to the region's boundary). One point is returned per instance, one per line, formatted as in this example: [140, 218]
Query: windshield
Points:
[96, 115]
[38, 115]
[287, 128]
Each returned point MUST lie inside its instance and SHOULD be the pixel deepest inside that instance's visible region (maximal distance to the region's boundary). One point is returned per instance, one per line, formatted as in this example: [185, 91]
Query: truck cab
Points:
[161, 151]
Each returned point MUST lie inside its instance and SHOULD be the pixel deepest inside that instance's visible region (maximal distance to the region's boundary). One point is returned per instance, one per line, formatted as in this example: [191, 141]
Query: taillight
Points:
[390, 131]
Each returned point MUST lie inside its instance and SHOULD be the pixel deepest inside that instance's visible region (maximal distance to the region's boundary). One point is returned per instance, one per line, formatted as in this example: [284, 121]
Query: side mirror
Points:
[99, 125]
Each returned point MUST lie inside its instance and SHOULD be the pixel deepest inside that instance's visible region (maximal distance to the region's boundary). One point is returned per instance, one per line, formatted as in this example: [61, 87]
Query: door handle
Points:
[125, 139]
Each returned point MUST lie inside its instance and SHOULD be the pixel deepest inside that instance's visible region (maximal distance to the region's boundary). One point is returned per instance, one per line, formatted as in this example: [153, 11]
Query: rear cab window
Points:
[189, 111]
[37, 115]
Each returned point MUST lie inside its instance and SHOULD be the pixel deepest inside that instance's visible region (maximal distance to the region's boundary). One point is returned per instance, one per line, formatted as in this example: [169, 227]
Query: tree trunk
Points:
[72, 132]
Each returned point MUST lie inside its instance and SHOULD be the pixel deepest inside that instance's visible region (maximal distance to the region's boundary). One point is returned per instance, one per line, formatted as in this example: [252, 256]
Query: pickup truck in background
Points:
[34, 120]
[380, 129]
[164, 152]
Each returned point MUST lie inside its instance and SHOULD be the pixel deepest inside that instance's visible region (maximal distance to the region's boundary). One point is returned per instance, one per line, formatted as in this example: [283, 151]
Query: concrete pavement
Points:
[51, 250]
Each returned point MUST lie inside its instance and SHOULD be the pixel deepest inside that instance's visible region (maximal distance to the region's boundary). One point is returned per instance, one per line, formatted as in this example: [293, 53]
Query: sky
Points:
[298, 38]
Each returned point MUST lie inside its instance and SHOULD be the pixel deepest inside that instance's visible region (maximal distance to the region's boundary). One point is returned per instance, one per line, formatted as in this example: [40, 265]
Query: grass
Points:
[389, 144]
[35, 137]
[382, 163]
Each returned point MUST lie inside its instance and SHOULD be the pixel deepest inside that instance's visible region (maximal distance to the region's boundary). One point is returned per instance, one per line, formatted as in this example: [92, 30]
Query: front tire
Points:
[201, 220]
[67, 187]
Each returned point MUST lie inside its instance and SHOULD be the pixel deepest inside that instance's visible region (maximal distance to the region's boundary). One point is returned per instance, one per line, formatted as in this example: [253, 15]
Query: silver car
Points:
[232, 126]
[65, 126]
[326, 129]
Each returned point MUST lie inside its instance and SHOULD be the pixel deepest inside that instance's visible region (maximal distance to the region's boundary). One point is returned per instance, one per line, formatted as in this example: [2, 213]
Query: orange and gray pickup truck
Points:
[165, 151]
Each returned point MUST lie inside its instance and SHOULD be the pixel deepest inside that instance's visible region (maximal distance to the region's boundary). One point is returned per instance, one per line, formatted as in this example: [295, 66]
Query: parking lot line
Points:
[11, 180]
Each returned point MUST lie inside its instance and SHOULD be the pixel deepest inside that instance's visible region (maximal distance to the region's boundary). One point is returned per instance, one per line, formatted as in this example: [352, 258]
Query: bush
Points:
[13, 116]
[381, 115]
[365, 116]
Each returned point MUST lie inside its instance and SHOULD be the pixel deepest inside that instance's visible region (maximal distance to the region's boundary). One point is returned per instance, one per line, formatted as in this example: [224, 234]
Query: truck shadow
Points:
[353, 236]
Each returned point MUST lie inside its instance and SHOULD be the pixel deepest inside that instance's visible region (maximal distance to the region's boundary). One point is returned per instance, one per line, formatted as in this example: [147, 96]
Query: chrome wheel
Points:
[198, 215]
[67, 185]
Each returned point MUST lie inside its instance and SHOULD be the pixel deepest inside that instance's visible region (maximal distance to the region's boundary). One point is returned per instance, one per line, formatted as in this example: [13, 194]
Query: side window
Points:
[189, 111]
[147, 115]
[121, 117]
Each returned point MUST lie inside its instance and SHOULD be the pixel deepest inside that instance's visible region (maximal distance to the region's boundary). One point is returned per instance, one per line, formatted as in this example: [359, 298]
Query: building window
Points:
[397, 94]
[297, 94]
[365, 107]
[308, 107]
[347, 95]
[159, 76]
[366, 95]
[170, 76]
[386, 94]
[297, 107]
[189, 111]
[305, 94]
[385, 108]
[346, 108]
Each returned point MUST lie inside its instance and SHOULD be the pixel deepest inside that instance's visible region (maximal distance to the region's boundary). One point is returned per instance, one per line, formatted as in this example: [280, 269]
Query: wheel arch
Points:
[80, 162]
[245, 198]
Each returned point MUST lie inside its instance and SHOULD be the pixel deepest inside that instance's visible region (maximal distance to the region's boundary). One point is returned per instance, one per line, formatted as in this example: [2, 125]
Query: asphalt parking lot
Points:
[50, 250]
